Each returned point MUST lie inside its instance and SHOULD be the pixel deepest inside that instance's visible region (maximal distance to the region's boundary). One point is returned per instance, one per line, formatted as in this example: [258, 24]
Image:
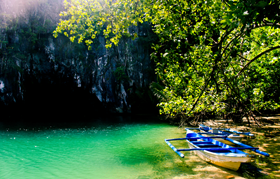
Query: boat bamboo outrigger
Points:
[214, 151]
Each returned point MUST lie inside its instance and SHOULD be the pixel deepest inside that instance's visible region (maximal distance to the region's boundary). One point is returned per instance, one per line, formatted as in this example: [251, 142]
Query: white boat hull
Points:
[220, 159]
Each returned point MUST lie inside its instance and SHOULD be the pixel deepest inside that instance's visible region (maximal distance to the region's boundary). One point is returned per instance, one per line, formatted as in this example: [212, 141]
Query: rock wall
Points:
[48, 75]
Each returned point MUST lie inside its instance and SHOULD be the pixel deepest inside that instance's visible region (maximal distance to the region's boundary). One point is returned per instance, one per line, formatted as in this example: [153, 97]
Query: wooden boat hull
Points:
[227, 160]
[232, 163]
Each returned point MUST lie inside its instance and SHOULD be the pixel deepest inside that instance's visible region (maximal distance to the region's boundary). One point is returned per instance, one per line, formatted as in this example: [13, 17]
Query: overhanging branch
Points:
[246, 66]
[243, 57]
[197, 99]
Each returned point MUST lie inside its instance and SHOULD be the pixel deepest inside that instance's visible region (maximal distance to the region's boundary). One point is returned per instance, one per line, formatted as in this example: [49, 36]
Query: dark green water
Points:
[100, 150]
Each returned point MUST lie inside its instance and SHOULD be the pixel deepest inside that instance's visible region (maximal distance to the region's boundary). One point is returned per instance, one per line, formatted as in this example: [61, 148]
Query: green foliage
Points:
[212, 56]
[157, 89]
[120, 74]
[208, 64]
[89, 18]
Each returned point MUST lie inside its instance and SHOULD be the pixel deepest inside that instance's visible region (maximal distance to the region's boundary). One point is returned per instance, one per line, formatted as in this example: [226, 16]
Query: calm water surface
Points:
[97, 150]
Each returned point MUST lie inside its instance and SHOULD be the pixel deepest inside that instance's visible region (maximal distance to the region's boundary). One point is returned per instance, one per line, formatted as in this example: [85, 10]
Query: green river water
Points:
[97, 150]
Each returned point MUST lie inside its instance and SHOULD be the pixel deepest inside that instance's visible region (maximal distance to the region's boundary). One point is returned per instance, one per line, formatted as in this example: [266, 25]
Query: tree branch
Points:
[255, 26]
[268, 50]
[243, 57]
[236, 37]
[197, 99]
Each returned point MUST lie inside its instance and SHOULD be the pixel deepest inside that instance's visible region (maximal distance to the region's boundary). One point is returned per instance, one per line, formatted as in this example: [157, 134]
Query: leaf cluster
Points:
[214, 56]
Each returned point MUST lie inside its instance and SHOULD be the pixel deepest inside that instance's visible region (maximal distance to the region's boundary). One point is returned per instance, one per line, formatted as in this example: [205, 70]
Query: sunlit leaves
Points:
[212, 42]
[212, 56]
[89, 18]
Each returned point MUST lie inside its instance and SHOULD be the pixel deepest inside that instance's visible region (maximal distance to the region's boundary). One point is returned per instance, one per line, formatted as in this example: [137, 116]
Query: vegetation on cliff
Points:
[36, 69]
[213, 57]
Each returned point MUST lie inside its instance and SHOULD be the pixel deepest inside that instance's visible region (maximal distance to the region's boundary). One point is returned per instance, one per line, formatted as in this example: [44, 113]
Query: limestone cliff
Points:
[42, 73]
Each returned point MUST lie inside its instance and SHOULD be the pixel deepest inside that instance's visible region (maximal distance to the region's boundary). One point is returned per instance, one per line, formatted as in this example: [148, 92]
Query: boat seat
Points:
[207, 145]
[221, 151]
[201, 142]
[204, 144]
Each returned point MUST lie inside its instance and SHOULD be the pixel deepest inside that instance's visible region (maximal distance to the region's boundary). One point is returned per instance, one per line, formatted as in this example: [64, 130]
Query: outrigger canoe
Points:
[234, 135]
[224, 130]
[214, 151]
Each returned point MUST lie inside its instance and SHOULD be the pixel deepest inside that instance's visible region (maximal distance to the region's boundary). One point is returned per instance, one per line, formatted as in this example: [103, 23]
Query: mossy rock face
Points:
[36, 66]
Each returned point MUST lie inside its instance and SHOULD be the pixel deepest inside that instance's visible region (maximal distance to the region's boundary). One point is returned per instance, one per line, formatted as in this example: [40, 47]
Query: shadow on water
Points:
[100, 121]
[268, 140]
[163, 164]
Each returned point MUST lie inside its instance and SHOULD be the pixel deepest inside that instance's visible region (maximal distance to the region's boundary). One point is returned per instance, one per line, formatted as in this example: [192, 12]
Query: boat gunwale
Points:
[224, 131]
[233, 153]
[228, 155]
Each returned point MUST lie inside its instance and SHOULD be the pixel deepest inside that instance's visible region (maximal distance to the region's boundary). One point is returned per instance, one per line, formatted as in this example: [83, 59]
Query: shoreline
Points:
[266, 138]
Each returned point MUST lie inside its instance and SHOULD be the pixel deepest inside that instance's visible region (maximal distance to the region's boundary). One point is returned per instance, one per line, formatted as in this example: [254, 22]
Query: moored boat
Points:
[209, 131]
[214, 151]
